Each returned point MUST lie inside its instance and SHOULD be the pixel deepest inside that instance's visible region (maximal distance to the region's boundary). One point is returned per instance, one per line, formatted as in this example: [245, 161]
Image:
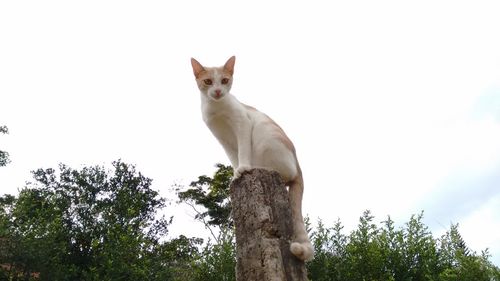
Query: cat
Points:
[252, 140]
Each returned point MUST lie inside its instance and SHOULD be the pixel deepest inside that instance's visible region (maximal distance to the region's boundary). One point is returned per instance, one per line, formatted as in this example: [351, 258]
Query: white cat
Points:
[251, 140]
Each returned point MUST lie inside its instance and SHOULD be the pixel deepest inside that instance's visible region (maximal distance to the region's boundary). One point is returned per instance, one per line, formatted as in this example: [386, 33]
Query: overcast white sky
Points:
[393, 106]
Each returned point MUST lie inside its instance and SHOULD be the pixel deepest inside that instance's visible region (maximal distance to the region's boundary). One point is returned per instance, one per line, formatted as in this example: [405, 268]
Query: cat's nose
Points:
[217, 92]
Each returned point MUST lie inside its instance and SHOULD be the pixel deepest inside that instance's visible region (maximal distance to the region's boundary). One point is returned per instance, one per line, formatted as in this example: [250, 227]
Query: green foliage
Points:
[4, 156]
[374, 252]
[179, 254]
[330, 249]
[93, 224]
[370, 252]
[363, 252]
[209, 197]
[217, 261]
[87, 224]
[460, 263]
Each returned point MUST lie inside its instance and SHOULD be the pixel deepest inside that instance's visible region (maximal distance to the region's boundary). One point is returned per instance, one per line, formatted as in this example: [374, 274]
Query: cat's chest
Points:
[225, 129]
[224, 114]
[226, 122]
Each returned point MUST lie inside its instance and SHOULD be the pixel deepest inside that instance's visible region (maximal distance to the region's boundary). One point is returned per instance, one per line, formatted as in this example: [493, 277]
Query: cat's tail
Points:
[301, 247]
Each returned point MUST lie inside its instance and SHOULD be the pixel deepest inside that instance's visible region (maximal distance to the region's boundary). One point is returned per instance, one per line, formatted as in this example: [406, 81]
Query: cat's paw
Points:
[240, 170]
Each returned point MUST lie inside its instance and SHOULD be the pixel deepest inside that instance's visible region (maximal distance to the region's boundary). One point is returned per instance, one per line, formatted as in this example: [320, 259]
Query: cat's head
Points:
[214, 82]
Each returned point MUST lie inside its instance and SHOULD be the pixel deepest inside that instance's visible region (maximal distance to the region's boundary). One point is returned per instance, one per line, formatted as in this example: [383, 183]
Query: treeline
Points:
[104, 224]
[383, 252]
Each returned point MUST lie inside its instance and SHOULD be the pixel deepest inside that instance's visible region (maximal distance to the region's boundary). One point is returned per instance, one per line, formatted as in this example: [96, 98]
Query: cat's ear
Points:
[229, 66]
[197, 67]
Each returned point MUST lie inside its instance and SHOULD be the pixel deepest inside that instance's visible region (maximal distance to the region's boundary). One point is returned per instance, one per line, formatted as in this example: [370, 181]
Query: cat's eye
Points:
[224, 81]
[207, 82]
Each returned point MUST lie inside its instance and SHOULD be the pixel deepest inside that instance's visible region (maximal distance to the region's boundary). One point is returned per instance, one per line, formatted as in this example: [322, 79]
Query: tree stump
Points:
[262, 217]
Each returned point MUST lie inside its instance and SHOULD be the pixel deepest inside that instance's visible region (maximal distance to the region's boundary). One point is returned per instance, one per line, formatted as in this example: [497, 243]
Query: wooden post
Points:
[262, 217]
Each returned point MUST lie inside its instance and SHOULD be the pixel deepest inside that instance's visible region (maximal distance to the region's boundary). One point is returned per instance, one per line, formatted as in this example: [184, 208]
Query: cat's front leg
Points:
[244, 151]
[240, 170]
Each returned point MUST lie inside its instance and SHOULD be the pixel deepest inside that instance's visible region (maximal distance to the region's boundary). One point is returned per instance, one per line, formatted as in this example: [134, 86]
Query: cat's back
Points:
[259, 116]
[265, 125]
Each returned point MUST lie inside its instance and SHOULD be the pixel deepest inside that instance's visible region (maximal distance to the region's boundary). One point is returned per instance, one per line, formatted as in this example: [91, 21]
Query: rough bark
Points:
[262, 217]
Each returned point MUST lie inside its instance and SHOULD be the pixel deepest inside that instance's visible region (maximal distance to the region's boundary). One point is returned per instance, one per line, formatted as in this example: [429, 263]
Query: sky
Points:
[393, 106]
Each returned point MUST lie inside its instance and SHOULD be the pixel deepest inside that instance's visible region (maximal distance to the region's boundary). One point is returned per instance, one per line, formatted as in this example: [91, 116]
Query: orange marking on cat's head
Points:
[197, 67]
[229, 65]
[227, 69]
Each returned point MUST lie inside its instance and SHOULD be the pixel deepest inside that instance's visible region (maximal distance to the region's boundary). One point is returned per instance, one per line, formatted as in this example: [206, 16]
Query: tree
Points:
[370, 252]
[329, 253]
[103, 224]
[209, 198]
[4, 156]
[217, 261]
[364, 254]
[460, 263]
[419, 253]
[407, 253]
[88, 224]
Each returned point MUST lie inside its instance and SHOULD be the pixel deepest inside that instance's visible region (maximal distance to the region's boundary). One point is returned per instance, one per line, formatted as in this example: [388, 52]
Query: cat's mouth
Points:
[217, 95]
